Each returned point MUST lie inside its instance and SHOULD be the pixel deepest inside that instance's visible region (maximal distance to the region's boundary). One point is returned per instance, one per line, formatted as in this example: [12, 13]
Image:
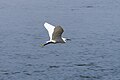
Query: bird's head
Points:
[66, 39]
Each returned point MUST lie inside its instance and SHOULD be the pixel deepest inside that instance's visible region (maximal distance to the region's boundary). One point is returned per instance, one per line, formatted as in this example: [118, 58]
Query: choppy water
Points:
[93, 53]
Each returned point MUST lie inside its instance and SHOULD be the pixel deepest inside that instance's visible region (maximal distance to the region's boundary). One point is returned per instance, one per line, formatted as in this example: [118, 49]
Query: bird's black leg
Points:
[46, 43]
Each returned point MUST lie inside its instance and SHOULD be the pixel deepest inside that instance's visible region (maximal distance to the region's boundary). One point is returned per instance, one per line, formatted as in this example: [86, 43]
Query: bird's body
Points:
[55, 34]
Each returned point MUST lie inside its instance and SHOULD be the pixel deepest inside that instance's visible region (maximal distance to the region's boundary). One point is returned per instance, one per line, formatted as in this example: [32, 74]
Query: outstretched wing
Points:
[57, 34]
[50, 29]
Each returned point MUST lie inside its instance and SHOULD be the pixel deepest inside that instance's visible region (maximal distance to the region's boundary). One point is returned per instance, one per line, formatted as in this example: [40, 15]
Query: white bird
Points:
[55, 34]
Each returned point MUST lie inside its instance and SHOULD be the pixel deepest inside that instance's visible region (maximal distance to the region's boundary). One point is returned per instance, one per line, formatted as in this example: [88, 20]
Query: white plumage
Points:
[50, 29]
[55, 34]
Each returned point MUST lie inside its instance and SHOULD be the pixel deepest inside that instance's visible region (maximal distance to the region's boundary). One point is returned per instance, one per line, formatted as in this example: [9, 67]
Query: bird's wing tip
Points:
[45, 23]
[50, 29]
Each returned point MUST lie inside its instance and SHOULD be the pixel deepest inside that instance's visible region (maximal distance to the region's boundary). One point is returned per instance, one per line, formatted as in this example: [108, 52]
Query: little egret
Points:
[55, 34]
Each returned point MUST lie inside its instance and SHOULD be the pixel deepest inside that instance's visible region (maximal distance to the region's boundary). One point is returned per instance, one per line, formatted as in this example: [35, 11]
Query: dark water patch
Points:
[54, 66]
[90, 64]
[6, 73]
[29, 65]
[38, 71]
[27, 73]
[89, 77]
[116, 40]
[89, 6]
[106, 70]
[3, 70]
[81, 76]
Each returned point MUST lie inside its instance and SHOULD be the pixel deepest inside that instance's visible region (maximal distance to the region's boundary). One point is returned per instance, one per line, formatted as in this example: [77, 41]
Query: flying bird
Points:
[55, 34]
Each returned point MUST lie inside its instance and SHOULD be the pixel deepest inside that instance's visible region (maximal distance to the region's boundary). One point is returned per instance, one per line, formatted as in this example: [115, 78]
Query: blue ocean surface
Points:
[92, 54]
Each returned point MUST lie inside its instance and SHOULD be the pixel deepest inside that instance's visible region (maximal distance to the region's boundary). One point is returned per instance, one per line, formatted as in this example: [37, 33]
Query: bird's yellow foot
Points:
[42, 45]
